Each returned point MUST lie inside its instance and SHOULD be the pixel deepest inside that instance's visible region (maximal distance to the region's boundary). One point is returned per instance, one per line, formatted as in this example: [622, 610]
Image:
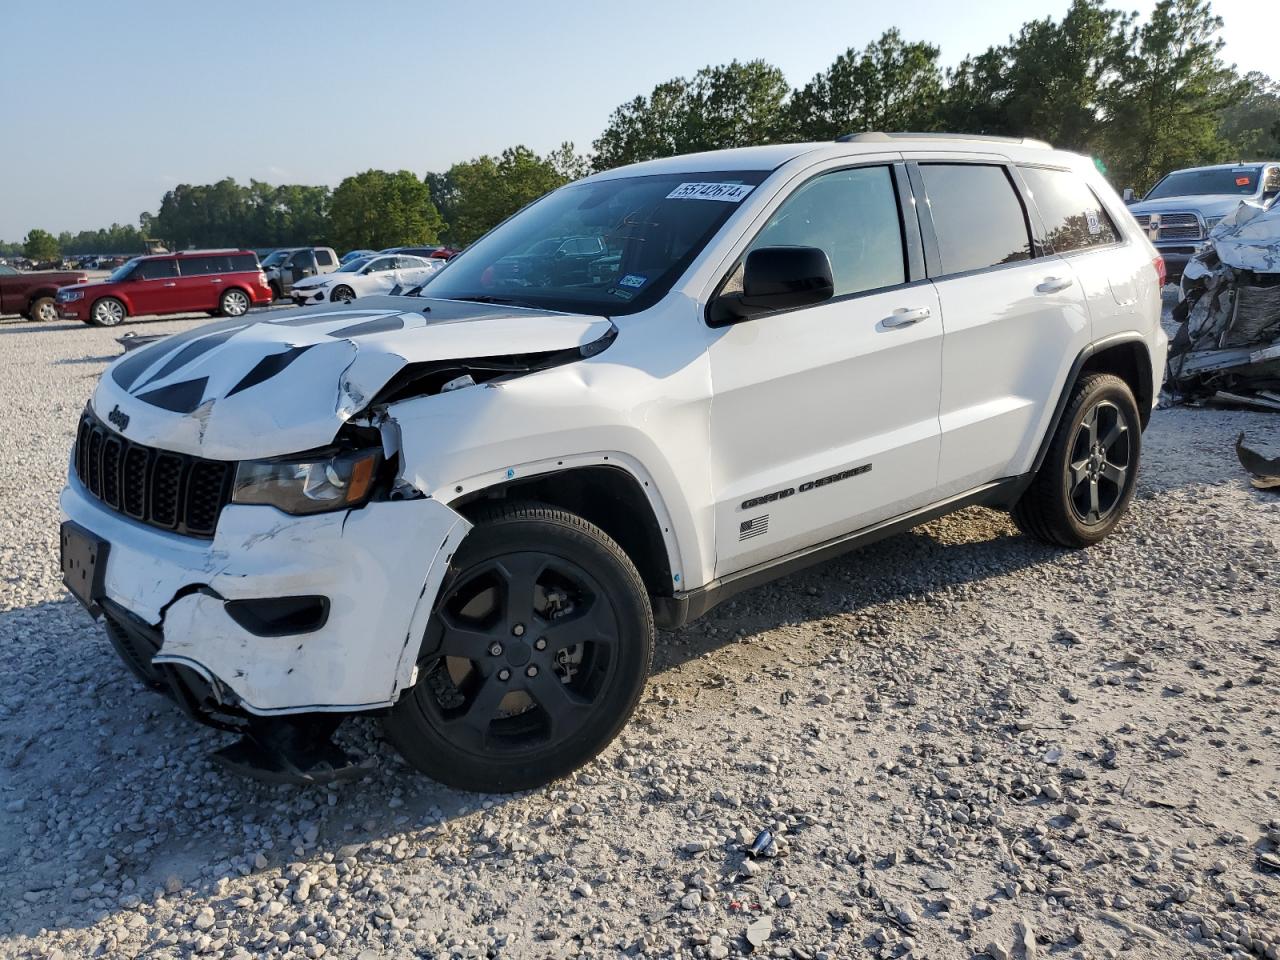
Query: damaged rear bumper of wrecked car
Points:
[376, 570]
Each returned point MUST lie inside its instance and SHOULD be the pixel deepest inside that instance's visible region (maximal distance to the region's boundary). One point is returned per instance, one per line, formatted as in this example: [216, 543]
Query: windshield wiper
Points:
[505, 301]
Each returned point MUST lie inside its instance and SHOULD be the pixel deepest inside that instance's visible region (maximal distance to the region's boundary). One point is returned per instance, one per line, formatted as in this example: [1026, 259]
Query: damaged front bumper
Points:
[377, 570]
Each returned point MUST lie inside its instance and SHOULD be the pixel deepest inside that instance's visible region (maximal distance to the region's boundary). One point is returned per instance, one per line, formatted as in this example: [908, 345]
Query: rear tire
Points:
[535, 658]
[234, 303]
[1086, 482]
[107, 312]
[43, 309]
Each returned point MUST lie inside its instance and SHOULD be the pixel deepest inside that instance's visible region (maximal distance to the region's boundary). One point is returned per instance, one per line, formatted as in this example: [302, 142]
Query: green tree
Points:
[379, 209]
[40, 245]
[888, 85]
[734, 105]
[1164, 110]
[1250, 125]
[1051, 81]
[481, 193]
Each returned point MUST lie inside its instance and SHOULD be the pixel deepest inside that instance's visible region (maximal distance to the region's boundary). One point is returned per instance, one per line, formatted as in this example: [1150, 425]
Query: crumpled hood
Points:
[1208, 205]
[281, 383]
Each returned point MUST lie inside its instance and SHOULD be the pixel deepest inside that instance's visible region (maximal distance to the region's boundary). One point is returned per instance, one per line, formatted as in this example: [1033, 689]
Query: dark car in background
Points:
[31, 295]
[228, 282]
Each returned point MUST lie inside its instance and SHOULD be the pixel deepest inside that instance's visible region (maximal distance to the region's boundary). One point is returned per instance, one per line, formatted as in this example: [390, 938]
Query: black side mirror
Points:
[777, 278]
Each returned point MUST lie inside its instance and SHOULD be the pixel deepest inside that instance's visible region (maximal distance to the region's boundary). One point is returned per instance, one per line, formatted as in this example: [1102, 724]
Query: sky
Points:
[108, 105]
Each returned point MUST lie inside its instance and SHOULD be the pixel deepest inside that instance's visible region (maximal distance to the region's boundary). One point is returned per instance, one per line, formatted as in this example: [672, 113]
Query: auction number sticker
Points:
[729, 192]
[1095, 225]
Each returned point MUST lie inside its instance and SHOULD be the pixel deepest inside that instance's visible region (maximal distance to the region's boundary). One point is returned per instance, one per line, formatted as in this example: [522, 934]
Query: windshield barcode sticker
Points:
[730, 192]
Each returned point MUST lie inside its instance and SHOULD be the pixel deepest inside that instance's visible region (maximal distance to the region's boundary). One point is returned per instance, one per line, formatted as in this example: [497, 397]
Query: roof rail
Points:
[877, 136]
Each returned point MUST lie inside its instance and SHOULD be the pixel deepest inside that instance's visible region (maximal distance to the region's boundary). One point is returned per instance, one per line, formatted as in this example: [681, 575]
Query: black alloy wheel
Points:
[536, 655]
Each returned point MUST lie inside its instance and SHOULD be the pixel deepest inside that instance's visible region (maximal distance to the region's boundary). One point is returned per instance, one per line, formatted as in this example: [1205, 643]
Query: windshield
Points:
[1241, 181]
[351, 266]
[275, 257]
[120, 273]
[607, 247]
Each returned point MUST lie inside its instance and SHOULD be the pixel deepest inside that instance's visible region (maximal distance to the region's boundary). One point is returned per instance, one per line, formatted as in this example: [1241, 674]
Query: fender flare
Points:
[1073, 375]
[464, 488]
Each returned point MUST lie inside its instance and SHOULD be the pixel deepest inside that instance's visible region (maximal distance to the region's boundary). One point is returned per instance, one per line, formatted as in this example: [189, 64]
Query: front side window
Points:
[1271, 183]
[157, 269]
[642, 232]
[977, 216]
[1074, 218]
[852, 216]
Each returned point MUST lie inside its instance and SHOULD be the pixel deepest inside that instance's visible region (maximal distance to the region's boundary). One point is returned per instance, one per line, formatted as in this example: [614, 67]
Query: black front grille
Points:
[172, 491]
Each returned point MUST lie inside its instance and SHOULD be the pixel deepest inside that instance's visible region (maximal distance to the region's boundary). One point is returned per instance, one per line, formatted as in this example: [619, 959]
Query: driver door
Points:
[824, 419]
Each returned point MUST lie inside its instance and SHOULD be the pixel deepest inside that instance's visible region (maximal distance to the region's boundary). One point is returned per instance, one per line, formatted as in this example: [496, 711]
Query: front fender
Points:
[583, 414]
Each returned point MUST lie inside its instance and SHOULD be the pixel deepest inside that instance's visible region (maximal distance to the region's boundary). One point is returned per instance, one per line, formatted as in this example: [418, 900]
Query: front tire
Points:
[233, 303]
[44, 310]
[535, 658]
[342, 294]
[1086, 482]
[107, 312]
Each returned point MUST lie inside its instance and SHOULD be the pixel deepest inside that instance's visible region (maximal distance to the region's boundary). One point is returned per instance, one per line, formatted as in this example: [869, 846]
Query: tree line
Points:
[1141, 98]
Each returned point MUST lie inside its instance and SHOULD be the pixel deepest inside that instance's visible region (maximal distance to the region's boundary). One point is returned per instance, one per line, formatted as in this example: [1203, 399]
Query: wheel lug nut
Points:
[496, 650]
[532, 671]
[518, 629]
[504, 674]
[540, 643]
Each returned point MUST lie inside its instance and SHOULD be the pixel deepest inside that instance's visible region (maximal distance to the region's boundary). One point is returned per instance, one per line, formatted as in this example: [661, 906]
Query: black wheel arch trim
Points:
[1073, 377]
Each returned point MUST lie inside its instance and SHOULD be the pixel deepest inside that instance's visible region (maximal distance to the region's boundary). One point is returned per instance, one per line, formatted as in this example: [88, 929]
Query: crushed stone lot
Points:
[961, 742]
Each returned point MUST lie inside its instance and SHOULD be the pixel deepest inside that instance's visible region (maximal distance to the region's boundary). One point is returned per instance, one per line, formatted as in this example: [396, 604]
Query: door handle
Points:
[216, 280]
[1053, 284]
[906, 316]
[172, 283]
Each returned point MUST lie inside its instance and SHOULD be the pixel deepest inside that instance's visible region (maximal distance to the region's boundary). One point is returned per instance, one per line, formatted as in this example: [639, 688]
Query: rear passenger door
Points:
[195, 292]
[824, 419]
[1078, 230]
[1012, 317]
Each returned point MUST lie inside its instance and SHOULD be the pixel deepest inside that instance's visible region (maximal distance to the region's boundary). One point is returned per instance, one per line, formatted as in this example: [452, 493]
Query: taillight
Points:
[1161, 276]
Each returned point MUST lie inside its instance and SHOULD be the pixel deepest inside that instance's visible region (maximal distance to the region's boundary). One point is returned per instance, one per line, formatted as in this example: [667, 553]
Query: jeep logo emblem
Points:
[119, 418]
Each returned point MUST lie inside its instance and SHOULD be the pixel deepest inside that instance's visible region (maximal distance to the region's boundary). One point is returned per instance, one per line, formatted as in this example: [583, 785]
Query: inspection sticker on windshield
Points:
[730, 192]
[633, 280]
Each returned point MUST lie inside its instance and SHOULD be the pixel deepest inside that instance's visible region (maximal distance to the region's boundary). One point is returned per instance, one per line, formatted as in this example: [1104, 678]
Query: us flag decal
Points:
[753, 527]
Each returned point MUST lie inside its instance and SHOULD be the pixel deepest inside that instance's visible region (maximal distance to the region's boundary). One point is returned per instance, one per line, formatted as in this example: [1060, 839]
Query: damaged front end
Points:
[1227, 346]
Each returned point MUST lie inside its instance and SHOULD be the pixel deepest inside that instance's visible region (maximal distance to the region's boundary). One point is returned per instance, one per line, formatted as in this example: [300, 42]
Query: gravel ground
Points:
[963, 742]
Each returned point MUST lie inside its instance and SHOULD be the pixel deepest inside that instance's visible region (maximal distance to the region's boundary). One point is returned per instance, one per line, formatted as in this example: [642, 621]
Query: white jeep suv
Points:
[467, 511]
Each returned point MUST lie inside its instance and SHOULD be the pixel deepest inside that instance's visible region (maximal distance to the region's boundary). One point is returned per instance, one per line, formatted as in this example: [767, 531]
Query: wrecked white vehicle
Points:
[1227, 346]
[467, 511]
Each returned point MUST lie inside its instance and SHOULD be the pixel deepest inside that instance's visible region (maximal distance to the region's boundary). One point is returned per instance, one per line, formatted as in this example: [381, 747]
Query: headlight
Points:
[308, 485]
[66, 296]
[1211, 222]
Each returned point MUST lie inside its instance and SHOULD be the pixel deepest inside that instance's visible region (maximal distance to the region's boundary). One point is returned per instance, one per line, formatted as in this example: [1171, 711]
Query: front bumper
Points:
[380, 568]
[74, 309]
[303, 297]
[1176, 257]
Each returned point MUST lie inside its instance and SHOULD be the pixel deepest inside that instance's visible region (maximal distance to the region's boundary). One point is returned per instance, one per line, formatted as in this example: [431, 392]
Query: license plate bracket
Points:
[84, 565]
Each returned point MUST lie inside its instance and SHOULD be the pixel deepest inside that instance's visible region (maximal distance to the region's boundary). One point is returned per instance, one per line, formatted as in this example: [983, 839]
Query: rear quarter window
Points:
[977, 216]
[244, 262]
[324, 258]
[1074, 218]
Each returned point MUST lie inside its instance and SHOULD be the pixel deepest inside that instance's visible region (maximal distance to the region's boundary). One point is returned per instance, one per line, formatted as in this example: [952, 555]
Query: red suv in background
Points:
[228, 282]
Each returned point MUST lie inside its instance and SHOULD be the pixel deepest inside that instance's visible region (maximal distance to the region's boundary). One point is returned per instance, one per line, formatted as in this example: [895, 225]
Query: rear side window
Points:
[852, 215]
[1074, 218]
[195, 266]
[324, 258]
[157, 269]
[977, 216]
